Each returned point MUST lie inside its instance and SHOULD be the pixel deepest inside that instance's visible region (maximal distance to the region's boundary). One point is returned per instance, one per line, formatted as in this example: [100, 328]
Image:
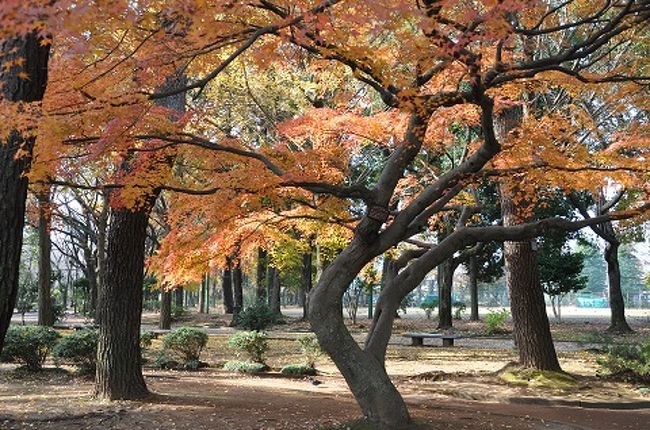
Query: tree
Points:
[560, 267]
[45, 310]
[23, 80]
[607, 232]
[452, 63]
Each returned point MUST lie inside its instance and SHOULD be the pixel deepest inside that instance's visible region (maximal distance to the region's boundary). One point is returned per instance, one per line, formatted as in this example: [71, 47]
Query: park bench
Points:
[417, 339]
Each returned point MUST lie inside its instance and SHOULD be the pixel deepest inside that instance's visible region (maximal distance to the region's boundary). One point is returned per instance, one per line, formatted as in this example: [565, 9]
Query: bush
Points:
[298, 369]
[429, 304]
[29, 345]
[257, 317]
[58, 310]
[245, 367]
[178, 311]
[310, 348]
[460, 307]
[186, 343]
[146, 339]
[78, 349]
[630, 362]
[496, 321]
[252, 343]
[165, 361]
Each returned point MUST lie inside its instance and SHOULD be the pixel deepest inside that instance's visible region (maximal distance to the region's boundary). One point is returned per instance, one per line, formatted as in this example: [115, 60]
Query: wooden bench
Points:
[417, 339]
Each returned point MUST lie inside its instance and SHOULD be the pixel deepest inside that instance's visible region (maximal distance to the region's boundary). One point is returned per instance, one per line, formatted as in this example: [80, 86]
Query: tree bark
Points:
[366, 376]
[238, 291]
[13, 169]
[616, 303]
[119, 358]
[305, 283]
[473, 288]
[226, 288]
[445, 283]
[119, 372]
[178, 297]
[262, 258]
[201, 292]
[274, 290]
[45, 310]
[165, 309]
[532, 331]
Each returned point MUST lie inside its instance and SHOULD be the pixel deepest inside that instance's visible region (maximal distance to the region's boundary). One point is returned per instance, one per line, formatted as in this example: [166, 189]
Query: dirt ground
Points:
[445, 388]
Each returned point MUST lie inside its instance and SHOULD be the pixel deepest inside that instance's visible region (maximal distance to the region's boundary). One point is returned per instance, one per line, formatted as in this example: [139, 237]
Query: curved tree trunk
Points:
[119, 372]
[366, 376]
[473, 288]
[165, 309]
[45, 311]
[13, 181]
[616, 303]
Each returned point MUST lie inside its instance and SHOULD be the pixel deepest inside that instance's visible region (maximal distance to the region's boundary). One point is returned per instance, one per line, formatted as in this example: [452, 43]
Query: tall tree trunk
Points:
[305, 283]
[445, 283]
[119, 372]
[209, 283]
[262, 259]
[202, 293]
[119, 358]
[532, 331]
[45, 310]
[13, 169]
[274, 291]
[616, 303]
[165, 309]
[226, 288]
[102, 225]
[473, 287]
[178, 297]
[238, 291]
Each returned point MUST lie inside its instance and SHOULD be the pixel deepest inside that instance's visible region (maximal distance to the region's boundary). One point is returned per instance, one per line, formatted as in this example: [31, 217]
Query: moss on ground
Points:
[539, 378]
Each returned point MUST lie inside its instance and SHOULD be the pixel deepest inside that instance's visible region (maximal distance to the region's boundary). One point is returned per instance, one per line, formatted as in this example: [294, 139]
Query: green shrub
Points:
[165, 361]
[58, 310]
[245, 367]
[298, 369]
[186, 343]
[459, 308]
[257, 317]
[496, 321]
[629, 361]
[78, 349]
[429, 304]
[252, 343]
[178, 311]
[29, 345]
[146, 339]
[310, 348]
